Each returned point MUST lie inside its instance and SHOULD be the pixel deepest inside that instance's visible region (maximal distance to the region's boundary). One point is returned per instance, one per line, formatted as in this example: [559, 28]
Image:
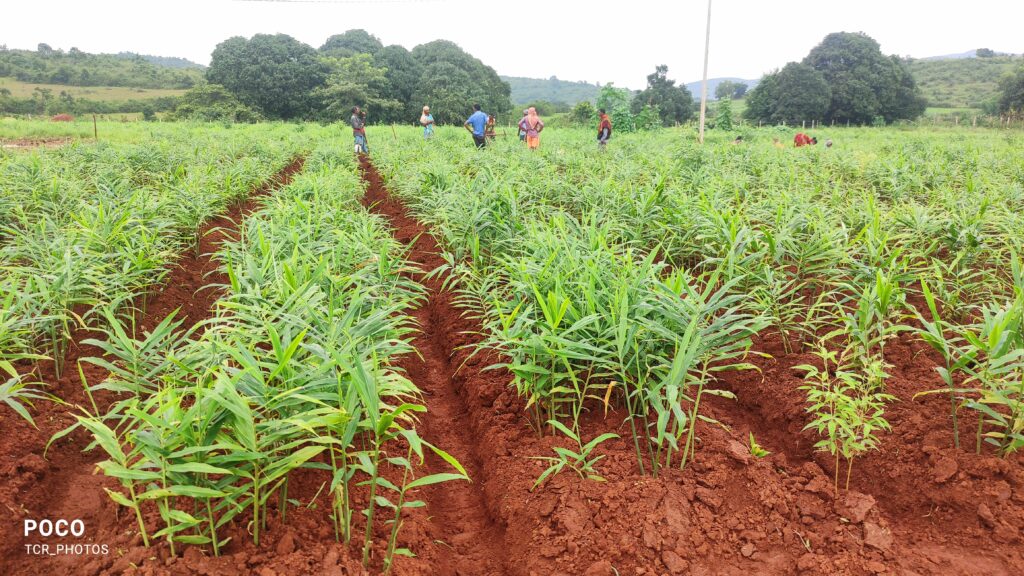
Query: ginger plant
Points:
[848, 410]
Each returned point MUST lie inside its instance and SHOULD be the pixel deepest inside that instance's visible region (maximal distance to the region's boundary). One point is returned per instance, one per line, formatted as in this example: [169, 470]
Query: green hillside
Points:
[76, 68]
[526, 90]
[20, 89]
[962, 82]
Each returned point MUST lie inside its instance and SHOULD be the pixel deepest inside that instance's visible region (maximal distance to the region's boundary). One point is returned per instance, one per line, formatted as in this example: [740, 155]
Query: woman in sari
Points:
[427, 121]
[533, 126]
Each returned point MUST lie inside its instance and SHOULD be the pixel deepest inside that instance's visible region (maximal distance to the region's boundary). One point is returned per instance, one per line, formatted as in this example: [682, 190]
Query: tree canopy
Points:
[352, 42]
[845, 78]
[354, 80]
[284, 78]
[401, 75]
[864, 83]
[792, 95]
[1012, 97]
[452, 81]
[275, 74]
[675, 103]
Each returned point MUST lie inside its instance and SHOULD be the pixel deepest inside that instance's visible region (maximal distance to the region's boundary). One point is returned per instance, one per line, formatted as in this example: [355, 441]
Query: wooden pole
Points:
[95, 132]
[393, 133]
[704, 83]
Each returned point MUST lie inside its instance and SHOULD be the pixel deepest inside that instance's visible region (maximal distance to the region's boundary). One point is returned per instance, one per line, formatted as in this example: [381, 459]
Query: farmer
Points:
[427, 121]
[533, 126]
[490, 129]
[476, 124]
[522, 133]
[358, 122]
[604, 128]
[802, 139]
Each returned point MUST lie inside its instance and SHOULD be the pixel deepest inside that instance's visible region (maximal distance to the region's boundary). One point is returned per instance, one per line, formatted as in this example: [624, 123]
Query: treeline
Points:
[662, 103]
[845, 79]
[279, 77]
[46, 65]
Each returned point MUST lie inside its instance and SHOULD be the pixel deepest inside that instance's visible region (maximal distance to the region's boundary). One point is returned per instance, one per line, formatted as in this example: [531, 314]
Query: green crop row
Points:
[95, 226]
[630, 277]
[296, 370]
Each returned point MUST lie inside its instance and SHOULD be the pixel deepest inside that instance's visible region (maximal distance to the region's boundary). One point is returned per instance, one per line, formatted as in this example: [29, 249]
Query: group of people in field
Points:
[482, 127]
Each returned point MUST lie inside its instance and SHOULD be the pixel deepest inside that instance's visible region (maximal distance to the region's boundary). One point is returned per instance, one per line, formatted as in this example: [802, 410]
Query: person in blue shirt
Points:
[476, 124]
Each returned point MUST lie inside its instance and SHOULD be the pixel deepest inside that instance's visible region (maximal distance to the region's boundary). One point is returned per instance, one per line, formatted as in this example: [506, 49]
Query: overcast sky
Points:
[590, 40]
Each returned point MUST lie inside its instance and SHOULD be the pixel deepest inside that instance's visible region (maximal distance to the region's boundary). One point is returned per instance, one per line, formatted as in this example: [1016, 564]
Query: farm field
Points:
[110, 93]
[274, 358]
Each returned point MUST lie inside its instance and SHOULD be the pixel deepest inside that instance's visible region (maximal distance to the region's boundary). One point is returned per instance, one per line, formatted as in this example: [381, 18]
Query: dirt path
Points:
[64, 485]
[460, 517]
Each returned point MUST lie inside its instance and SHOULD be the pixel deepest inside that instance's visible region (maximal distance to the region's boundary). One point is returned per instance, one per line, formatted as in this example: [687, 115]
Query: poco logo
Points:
[60, 528]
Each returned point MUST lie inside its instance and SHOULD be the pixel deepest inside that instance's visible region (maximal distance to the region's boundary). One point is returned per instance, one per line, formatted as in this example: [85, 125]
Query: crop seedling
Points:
[756, 449]
[847, 409]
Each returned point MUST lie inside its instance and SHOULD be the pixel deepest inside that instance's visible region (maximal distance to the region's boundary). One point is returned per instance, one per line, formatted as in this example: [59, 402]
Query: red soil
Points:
[25, 143]
[916, 507]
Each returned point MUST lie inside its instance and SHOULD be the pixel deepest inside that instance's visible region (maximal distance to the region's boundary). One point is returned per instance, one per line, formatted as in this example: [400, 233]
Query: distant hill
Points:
[961, 81]
[694, 87]
[46, 65]
[962, 55]
[165, 61]
[526, 90]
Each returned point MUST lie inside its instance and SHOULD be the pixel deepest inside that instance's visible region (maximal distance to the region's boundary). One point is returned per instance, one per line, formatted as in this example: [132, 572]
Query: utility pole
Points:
[704, 83]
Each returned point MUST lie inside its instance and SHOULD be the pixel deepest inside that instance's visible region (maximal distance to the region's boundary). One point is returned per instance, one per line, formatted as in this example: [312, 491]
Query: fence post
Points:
[95, 132]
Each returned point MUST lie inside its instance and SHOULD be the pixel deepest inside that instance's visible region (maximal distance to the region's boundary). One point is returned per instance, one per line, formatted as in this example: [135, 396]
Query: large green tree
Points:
[448, 90]
[451, 81]
[795, 94]
[355, 81]
[402, 74]
[275, 74]
[675, 103]
[1011, 98]
[865, 84]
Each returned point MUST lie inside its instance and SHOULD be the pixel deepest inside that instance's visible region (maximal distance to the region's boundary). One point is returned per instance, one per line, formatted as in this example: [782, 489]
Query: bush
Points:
[213, 103]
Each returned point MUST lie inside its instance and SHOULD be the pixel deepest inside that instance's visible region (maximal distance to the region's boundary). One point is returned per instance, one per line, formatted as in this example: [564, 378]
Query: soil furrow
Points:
[63, 485]
[460, 517]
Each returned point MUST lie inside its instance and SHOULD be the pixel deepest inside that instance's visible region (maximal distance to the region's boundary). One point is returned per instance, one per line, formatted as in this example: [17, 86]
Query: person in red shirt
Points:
[604, 129]
[804, 140]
